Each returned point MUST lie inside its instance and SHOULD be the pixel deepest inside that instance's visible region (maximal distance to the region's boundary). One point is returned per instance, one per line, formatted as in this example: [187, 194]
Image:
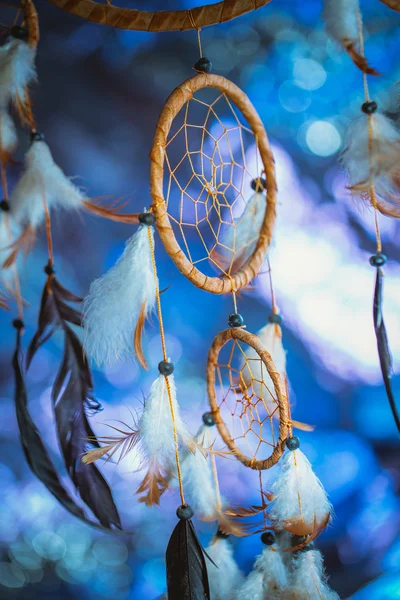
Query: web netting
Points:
[247, 404]
[211, 161]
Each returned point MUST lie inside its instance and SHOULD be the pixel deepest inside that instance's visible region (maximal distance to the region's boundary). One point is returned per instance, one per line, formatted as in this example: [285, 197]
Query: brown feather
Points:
[138, 338]
[359, 60]
[112, 213]
[155, 482]
[24, 243]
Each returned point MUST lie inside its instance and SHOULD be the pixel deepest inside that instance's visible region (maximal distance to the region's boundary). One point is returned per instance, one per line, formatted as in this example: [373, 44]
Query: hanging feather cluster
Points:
[224, 575]
[371, 157]
[238, 240]
[186, 566]
[343, 19]
[42, 180]
[17, 71]
[308, 580]
[154, 439]
[269, 575]
[299, 501]
[73, 400]
[119, 302]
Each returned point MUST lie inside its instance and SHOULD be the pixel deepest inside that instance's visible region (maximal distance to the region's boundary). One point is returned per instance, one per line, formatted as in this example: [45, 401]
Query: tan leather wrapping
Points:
[253, 341]
[394, 4]
[183, 93]
[166, 20]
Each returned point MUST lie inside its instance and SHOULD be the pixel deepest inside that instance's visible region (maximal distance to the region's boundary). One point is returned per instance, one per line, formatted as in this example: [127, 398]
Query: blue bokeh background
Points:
[97, 101]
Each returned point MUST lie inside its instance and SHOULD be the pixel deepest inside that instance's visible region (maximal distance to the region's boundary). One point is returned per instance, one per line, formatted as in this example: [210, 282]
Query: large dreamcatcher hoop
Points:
[163, 20]
[216, 192]
[245, 394]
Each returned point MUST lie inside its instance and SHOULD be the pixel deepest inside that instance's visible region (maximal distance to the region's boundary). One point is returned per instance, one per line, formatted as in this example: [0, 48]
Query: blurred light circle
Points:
[49, 545]
[11, 575]
[25, 555]
[323, 139]
[308, 74]
[110, 553]
[293, 98]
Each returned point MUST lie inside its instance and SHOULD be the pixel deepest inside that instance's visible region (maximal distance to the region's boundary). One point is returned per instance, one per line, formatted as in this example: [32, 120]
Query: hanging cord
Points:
[372, 191]
[193, 24]
[271, 286]
[17, 286]
[164, 351]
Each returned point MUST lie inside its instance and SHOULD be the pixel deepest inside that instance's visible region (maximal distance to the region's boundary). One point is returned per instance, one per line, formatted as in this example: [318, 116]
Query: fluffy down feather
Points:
[6, 275]
[112, 308]
[380, 166]
[267, 579]
[198, 478]
[226, 577]
[308, 580]
[271, 338]
[8, 134]
[17, 70]
[341, 20]
[300, 504]
[42, 179]
[157, 438]
[238, 241]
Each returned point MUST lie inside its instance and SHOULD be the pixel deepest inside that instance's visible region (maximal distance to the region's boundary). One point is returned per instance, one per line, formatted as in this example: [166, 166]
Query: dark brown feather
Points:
[186, 567]
[385, 357]
[72, 396]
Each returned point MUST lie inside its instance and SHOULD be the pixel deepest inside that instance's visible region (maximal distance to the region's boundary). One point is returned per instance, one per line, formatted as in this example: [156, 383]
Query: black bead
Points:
[222, 534]
[18, 324]
[19, 32]
[147, 218]
[203, 65]
[293, 443]
[165, 367]
[4, 205]
[36, 136]
[235, 320]
[268, 538]
[275, 318]
[49, 269]
[369, 107]
[259, 184]
[378, 260]
[208, 419]
[185, 512]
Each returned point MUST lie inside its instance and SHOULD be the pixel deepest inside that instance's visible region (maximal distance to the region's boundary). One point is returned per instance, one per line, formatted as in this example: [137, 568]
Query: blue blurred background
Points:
[99, 95]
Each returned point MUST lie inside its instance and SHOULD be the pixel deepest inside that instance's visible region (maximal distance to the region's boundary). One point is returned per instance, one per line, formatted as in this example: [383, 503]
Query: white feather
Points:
[385, 149]
[299, 496]
[112, 308]
[156, 427]
[42, 179]
[308, 580]
[341, 21]
[198, 478]
[226, 577]
[8, 134]
[254, 369]
[17, 70]
[268, 578]
[239, 239]
[6, 275]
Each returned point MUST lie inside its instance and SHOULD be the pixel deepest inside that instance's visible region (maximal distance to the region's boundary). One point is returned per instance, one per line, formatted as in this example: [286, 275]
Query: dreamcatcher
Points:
[214, 211]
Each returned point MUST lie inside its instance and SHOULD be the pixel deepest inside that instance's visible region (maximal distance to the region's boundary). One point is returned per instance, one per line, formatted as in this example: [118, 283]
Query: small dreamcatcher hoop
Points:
[244, 395]
[164, 20]
[216, 191]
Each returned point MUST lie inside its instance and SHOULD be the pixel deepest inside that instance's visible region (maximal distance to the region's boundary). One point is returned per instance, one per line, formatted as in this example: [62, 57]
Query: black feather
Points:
[35, 452]
[385, 357]
[73, 400]
[186, 567]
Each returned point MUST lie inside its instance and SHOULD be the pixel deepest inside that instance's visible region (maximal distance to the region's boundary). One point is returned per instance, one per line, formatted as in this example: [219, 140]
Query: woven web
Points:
[208, 179]
[247, 400]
